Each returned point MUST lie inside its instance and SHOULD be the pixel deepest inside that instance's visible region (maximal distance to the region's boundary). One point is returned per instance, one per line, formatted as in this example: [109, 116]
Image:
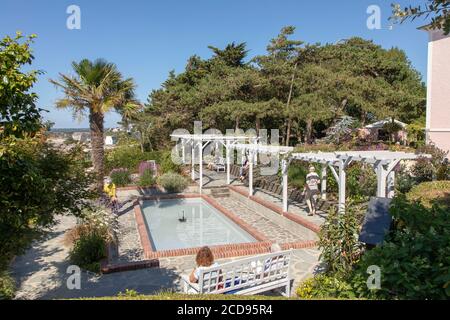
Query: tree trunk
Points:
[236, 128]
[291, 88]
[309, 124]
[258, 126]
[288, 131]
[96, 122]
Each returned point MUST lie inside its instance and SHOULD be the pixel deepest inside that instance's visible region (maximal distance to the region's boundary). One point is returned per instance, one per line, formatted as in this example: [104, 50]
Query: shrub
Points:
[430, 169]
[173, 182]
[38, 182]
[88, 251]
[361, 181]
[325, 287]
[414, 257]
[7, 286]
[120, 177]
[166, 163]
[128, 157]
[147, 179]
[90, 237]
[404, 181]
[147, 165]
[338, 240]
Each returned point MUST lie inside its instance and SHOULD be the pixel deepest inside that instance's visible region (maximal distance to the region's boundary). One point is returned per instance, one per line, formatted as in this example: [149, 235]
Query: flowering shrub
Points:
[120, 177]
[147, 166]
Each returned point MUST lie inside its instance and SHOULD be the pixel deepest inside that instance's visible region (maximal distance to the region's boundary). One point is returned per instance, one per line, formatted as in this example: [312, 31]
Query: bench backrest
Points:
[245, 273]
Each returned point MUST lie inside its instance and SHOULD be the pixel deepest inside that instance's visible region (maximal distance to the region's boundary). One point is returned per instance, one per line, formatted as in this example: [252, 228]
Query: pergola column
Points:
[323, 182]
[381, 180]
[193, 161]
[284, 170]
[342, 186]
[200, 168]
[183, 151]
[250, 173]
[391, 184]
[227, 151]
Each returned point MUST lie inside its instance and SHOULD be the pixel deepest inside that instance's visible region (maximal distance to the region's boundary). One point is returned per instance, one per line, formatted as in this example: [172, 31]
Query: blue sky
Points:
[147, 39]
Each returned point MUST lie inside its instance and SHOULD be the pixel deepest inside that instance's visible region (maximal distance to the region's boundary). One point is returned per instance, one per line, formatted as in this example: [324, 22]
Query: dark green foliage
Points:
[19, 114]
[88, 250]
[166, 163]
[338, 240]
[120, 177]
[7, 286]
[147, 179]
[415, 258]
[128, 157]
[298, 88]
[37, 183]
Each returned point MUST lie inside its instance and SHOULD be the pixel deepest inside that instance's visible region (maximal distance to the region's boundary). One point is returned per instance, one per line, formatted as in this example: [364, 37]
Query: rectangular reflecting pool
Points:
[204, 225]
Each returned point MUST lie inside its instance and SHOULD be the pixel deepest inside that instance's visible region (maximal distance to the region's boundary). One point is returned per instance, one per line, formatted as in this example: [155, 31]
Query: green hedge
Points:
[131, 156]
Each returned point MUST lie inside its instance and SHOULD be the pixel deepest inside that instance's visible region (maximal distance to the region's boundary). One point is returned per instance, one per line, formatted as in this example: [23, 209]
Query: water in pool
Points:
[204, 225]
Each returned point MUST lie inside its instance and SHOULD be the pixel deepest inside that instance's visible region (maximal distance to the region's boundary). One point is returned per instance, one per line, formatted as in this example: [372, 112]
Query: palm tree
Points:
[97, 88]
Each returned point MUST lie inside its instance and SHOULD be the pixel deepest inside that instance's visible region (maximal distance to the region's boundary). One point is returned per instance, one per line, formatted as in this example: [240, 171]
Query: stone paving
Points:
[130, 248]
[269, 228]
[214, 179]
[41, 273]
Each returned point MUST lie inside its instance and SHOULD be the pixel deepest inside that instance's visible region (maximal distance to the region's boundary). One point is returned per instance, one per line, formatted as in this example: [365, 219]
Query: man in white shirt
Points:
[311, 190]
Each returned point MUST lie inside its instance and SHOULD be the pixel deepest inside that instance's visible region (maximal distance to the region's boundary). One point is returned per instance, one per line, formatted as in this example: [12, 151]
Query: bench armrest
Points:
[189, 287]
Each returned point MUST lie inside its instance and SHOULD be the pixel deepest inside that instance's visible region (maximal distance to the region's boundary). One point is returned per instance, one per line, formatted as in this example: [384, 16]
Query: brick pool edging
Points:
[219, 251]
[307, 224]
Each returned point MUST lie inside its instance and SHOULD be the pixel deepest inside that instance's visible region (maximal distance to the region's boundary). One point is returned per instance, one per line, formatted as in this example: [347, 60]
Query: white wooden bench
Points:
[244, 276]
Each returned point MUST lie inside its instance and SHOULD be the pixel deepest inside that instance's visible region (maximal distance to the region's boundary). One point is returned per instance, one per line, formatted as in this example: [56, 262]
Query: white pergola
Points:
[201, 141]
[253, 150]
[383, 163]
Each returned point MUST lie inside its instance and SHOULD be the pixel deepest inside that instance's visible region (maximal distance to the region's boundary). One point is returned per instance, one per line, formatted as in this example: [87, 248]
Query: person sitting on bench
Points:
[204, 259]
[244, 170]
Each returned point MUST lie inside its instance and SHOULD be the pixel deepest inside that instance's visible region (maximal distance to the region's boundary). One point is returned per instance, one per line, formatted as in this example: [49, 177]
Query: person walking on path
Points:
[311, 190]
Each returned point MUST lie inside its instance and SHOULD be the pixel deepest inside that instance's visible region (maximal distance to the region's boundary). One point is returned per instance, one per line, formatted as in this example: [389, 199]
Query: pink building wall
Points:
[438, 95]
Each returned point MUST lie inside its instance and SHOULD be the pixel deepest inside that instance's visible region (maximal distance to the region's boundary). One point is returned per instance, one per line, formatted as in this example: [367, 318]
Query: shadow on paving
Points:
[41, 273]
